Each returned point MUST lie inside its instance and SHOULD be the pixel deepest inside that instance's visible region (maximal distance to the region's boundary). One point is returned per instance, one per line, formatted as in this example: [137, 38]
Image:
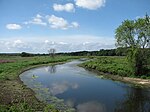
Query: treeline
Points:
[23, 54]
[102, 52]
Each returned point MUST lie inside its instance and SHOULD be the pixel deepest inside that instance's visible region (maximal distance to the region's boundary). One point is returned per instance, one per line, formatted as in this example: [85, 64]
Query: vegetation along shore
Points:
[16, 97]
[116, 68]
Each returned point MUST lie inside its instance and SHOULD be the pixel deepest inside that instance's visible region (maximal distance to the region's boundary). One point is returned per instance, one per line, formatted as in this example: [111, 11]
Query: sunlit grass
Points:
[113, 65]
[16, 64]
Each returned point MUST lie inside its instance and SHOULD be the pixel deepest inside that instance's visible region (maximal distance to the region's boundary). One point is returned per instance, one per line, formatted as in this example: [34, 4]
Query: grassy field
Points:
[16, 97]
[113, 65]
[12, 66]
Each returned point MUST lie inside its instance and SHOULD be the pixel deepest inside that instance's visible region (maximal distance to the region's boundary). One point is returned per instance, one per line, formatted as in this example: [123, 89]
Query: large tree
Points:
[135, 35]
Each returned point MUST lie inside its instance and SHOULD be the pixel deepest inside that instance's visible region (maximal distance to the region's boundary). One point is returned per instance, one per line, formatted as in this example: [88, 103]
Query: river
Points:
[84, 90]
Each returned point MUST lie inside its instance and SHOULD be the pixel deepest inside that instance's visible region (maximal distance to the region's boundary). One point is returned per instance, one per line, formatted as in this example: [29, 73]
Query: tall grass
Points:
[113, 65]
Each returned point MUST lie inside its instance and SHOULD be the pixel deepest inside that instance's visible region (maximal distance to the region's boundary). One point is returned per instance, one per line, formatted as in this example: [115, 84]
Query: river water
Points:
[84, 90]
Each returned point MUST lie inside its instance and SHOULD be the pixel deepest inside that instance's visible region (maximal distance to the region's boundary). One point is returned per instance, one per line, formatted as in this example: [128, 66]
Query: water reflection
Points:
[80, 89]
[51, 69]
[70, 102]
[136, 100]
[92, 106]
[61, 87]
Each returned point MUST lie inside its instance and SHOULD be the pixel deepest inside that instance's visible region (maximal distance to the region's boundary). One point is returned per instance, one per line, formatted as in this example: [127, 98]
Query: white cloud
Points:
[46, 41]
[13, 26]
[53, 21]
[90, 4]
[17, 42]
[75, 24]
[36, 20]
[57, 22]
[39, 16]
[60, 23]
[15, 46]
[69, 7]
[61, 44]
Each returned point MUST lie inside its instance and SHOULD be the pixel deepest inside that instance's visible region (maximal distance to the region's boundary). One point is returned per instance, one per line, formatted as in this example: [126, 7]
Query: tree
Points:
[52, 52]
[24, 54]
[135, 35]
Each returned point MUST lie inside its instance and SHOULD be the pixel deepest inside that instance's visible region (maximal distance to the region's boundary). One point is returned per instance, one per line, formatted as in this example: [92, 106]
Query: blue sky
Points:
[66, 25]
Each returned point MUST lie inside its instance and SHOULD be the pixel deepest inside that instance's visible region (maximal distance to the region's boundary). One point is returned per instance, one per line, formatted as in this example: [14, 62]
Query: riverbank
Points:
[116, 68]
[14, 95]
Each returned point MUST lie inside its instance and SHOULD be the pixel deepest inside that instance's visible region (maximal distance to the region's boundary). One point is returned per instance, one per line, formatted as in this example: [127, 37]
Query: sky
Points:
[67, 25]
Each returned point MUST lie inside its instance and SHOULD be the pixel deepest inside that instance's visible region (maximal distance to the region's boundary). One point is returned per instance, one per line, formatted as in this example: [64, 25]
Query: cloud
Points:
[75, 24]
[15, 46]
[57, 22]
[90, 4]
[53, 21]
[69, 7]
[17, 42]
[61, 44]
[37, 21]
[46, 41]
[13, 26]
[60, 23]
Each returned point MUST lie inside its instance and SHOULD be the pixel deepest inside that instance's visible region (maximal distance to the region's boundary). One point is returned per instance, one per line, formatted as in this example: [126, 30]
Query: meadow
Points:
[11, 66]
[16, 97]
[116, 65]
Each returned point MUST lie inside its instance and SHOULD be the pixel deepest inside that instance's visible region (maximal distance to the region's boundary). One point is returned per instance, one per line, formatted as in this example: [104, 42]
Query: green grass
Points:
[11, 88]
[111, 64]
[11, 70]
[14, 96]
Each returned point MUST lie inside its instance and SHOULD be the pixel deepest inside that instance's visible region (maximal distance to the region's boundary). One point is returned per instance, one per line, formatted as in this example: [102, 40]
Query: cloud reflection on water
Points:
[61, 87]
[91, 106]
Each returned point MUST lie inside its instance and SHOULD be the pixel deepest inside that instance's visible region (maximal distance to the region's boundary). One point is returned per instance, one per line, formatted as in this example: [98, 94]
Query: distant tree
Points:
[135, 35]
[24, 54]
[52, 52]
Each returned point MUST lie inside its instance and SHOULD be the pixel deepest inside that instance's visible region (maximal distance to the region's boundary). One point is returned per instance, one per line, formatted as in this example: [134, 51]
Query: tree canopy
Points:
[135, 35]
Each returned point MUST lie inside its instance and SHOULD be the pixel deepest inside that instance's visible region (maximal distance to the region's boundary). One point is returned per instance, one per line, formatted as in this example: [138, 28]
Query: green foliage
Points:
[135, 35]
[11, 70]
[21, 107]
[125, 34]
[101, 52]
[24, 54]
[24, 107]
[50, 108]
[112, 65]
